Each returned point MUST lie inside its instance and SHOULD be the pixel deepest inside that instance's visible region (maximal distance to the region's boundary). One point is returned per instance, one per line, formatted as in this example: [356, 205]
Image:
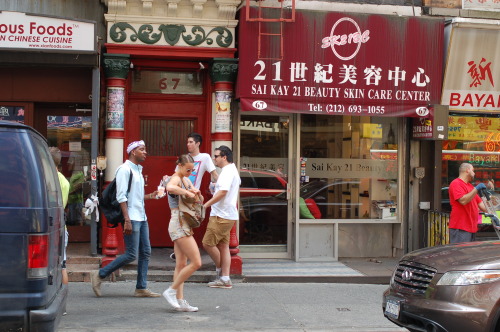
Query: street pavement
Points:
[262, 307]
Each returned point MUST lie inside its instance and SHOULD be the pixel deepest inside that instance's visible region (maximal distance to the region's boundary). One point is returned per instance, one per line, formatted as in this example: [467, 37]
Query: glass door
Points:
[72, 135]
[265, 206]
[68, 127]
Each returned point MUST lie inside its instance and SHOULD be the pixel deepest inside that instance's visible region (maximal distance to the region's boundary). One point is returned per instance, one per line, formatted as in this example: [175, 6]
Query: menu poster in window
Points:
[12, 113]
[115, 108]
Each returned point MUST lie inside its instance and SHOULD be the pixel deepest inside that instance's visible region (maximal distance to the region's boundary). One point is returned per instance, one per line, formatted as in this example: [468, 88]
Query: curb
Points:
[207, 276]
[372, 280]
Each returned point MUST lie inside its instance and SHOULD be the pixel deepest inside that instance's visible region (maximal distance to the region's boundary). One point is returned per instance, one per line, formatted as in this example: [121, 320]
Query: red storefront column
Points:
[223, 73]
[116, 68]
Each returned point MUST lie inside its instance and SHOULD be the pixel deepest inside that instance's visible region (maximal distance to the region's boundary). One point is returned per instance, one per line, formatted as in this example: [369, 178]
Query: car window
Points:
[267, 181]
[246, 180]
[17, 187]
[51, 179]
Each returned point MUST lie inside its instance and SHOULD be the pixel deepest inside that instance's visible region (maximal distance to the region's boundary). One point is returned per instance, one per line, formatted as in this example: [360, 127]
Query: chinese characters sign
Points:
[422, 128]
[12, 113]
[471, 77]
[464, 128]
[61, 122]
[343, 64]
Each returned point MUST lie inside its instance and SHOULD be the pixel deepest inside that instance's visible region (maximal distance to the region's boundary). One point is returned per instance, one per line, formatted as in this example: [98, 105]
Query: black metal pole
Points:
[96, 79]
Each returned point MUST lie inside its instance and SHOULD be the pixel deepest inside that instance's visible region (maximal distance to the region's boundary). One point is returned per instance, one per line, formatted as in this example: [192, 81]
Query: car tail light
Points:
[38, 256]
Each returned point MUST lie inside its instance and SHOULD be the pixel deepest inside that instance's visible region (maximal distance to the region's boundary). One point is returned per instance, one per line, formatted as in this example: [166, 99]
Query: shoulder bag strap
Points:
[129, 182]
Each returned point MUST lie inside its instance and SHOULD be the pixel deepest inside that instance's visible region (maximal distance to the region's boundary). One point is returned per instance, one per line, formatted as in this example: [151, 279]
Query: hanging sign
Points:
[341, 64]
[471, 80]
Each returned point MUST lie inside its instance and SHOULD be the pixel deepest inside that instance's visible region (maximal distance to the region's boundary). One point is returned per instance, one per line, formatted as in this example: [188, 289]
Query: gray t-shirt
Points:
[173, 199]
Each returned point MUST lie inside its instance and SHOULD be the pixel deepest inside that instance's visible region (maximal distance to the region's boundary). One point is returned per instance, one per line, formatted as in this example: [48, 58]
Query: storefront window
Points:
[263, 171]
[72, 135]
[348, 167]
[473, 139]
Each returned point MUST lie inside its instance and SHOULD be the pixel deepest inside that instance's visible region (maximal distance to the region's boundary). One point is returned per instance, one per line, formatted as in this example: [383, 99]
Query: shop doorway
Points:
[266, 177]
[68, 128]
[164, 125]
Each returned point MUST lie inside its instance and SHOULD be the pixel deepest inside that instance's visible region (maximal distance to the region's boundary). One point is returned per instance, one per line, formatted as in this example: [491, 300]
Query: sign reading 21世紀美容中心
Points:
[342, 64]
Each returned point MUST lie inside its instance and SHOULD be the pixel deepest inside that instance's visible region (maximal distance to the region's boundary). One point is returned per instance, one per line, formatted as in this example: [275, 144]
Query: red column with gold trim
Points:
[223, 74]
[116, 68]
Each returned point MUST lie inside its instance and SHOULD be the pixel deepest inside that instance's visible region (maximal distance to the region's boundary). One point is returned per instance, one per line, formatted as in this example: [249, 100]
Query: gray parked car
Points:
[450, 288]
[32, 295]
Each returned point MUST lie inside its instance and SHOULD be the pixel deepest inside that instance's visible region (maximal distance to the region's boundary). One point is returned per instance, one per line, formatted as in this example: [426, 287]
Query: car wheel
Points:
[258, 232]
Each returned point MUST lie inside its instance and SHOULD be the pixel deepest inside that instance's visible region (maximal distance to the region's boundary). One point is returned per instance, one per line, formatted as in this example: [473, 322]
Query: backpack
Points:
[110, 206]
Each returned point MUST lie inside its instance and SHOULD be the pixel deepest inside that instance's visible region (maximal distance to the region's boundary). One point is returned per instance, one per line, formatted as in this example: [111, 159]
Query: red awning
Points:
[341, 64]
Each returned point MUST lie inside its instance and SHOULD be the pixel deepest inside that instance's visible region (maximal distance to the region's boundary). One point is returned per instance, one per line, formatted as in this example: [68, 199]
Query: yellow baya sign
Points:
[463, 128]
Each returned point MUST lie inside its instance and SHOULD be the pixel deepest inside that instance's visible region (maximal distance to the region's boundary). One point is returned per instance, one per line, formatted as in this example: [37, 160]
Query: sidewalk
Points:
[161, 267]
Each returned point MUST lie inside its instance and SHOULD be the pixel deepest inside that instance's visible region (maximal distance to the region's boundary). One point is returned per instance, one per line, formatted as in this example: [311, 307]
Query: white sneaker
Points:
[184, 306]
[171, 296]
[221, 284]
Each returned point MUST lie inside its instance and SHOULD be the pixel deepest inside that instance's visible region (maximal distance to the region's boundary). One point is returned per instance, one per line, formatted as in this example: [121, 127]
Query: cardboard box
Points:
[388, 212]
[384, 209]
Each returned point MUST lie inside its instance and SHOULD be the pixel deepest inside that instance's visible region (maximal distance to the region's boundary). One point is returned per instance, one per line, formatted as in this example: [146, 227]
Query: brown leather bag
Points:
[191, 210]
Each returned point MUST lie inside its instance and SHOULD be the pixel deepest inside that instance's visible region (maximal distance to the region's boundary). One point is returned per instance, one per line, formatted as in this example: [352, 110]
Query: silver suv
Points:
[447, 288]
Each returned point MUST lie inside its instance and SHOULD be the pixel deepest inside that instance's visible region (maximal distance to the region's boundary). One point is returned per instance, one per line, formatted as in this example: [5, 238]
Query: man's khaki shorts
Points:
[218, 231]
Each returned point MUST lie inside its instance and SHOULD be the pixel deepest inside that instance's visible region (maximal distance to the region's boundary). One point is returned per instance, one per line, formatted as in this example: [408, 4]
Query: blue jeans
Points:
[135, 243]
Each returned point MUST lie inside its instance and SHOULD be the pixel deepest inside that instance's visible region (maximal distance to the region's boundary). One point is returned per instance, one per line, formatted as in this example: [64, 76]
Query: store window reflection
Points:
[473, 139]
[263, 171]
[72, 135]
[348, 167]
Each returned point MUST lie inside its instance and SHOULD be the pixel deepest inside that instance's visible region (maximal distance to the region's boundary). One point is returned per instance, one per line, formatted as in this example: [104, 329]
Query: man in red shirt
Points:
[465, 205]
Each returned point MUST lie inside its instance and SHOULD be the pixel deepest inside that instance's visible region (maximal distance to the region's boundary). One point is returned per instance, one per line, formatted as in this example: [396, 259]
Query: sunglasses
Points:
[216, 156]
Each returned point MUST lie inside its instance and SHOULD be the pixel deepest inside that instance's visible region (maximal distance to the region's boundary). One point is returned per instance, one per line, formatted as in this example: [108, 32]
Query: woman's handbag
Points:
[191, 211]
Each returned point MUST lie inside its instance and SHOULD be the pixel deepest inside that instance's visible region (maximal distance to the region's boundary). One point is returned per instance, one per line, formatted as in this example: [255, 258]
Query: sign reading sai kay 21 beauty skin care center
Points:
[48, 34]
[342, 64]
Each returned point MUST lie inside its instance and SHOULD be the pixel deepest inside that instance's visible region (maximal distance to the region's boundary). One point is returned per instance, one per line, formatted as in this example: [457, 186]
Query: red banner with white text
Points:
[341, 64]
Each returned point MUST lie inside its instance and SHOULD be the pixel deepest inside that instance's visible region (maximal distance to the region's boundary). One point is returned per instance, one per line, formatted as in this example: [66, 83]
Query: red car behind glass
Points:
[261, 183]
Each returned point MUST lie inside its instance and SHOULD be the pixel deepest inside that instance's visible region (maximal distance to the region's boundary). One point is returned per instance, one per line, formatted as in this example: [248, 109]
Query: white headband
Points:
[134, 145]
